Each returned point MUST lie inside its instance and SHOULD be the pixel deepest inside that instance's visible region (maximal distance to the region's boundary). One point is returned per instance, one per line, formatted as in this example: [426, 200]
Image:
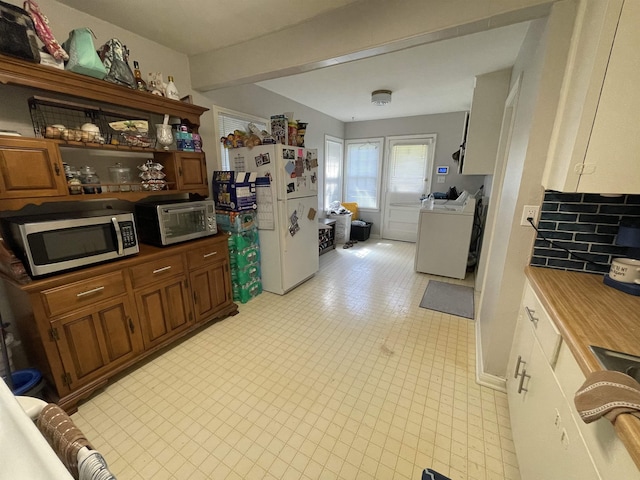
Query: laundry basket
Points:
[343, 227]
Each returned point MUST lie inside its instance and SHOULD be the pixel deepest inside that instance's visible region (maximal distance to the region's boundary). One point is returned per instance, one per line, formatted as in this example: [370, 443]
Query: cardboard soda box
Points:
[233, 190]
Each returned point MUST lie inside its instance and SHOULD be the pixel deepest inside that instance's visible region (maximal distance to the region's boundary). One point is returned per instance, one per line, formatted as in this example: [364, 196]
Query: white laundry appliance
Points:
[444, 237]
[287, 216]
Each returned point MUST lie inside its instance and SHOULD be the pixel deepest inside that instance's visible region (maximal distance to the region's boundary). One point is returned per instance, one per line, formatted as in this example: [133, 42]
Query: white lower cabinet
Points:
[608, 452]
[547, 440]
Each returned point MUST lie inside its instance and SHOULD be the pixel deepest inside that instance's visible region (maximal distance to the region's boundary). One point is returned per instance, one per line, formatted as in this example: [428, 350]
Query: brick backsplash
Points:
[585, 224]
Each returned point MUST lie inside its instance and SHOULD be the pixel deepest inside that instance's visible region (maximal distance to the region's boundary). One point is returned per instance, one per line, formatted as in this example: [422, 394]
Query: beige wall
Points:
[540, 63]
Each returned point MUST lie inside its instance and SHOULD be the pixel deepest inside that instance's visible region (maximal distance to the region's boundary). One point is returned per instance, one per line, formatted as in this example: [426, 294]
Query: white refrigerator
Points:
[287, 199]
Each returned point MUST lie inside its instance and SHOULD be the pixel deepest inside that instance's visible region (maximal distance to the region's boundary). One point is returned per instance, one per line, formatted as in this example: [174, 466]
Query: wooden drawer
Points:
[156, 270]
[86, 292]
[206, 255]
[543, 327]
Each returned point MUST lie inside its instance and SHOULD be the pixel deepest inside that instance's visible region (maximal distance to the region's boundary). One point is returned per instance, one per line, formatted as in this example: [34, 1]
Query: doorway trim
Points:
[430, 139]
[504, 146]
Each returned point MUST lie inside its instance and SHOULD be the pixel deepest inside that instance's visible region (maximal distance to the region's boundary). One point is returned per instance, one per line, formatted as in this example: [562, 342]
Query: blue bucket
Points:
[27, 382]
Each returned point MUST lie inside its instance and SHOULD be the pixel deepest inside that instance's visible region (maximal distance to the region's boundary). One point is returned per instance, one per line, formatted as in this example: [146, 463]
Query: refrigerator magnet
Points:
[311, 214]
[293, 226]
[289, 167]
[291, 187]
[263, 159]
[312, 157]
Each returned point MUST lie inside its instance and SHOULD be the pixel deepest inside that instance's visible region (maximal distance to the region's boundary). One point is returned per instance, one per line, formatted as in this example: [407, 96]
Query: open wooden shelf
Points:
[21, 73]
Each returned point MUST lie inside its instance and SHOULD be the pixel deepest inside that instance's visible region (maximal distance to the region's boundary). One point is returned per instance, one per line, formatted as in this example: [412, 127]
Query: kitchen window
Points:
[226, 122]
[333, 162]
[363, 166]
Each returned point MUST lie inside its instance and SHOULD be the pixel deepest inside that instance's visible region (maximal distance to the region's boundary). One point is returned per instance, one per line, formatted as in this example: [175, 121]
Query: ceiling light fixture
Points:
[381, 97]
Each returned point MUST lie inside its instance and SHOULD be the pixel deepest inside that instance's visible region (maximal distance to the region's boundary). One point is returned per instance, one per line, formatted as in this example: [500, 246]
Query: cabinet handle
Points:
[209, 254]
[520, 386]
[163, 269]
[56, 167]
[195, 297]
[131, 327]
[520, 362]
[180, 171]
[530, 313]
[89, 292]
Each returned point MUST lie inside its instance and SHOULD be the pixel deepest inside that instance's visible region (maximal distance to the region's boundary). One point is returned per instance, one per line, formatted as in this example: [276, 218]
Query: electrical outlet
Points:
[440, 179]
[530, 211]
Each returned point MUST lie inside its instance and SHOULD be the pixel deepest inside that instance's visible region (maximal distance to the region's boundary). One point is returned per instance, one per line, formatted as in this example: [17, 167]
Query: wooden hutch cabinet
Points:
[80, 328]
[31, 169]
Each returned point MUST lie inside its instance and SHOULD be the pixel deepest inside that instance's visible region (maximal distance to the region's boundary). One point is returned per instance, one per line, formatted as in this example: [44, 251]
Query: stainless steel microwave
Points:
[62, 241]
[170, 221]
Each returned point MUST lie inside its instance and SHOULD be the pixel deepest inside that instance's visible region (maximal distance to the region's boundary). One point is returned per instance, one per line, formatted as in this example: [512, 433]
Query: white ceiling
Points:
[433, 78]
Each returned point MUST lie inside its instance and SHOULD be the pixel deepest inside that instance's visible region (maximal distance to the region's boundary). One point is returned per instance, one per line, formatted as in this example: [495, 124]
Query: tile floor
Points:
[344, 377]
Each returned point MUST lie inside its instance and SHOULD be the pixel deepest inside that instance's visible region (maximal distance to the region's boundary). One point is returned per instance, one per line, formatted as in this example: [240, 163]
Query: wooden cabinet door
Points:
[164, 310]
[30, 168]
[211, 287]
[192, 171]
[93, 340]
[187, 171]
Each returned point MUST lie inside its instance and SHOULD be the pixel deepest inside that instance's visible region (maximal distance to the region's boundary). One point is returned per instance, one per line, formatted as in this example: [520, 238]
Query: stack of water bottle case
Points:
[235, 196]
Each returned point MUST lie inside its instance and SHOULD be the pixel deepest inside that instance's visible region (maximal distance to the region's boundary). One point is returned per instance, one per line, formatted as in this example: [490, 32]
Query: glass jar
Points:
[121, 177]
[90, 181]
[73, 179]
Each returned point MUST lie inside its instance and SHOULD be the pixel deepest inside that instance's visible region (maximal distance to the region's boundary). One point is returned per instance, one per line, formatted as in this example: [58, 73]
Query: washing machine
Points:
[444, 237]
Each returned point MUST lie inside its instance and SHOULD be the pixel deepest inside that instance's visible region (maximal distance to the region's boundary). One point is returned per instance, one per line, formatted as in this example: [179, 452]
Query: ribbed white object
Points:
[92, 466]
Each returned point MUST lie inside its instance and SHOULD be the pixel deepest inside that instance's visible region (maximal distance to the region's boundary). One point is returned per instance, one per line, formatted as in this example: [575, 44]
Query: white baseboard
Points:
[483, 378]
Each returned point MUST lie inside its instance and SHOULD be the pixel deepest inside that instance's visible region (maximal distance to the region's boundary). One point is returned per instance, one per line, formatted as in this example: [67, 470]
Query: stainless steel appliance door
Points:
[181, 223]
[59, 245]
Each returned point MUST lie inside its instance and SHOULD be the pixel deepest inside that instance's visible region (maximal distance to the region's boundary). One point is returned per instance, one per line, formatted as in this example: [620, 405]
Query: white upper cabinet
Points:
[485, 121]
[596, 142]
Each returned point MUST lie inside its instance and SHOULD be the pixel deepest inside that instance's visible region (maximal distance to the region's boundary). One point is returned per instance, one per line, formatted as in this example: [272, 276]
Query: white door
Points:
[407, 177]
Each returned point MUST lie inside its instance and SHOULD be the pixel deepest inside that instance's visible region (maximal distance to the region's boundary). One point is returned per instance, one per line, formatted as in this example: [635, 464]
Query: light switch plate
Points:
[440, 179]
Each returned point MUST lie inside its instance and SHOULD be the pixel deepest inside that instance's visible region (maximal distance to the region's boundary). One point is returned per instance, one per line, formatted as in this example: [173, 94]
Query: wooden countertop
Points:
[588, 312]
[146, 253]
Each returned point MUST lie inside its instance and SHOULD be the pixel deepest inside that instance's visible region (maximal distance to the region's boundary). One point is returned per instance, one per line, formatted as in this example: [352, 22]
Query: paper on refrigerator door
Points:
[265, 215]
